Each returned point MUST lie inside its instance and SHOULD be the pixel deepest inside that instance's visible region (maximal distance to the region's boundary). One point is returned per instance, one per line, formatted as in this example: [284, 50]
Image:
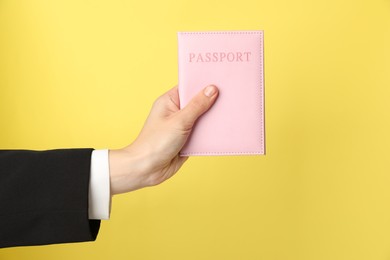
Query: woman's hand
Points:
[154, 156]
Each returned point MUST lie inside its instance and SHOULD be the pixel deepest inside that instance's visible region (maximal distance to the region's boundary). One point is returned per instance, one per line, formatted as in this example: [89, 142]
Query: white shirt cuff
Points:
[99, 186]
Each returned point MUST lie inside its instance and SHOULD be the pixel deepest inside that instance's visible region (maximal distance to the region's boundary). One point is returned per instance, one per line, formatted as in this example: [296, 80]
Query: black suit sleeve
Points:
[44, 197]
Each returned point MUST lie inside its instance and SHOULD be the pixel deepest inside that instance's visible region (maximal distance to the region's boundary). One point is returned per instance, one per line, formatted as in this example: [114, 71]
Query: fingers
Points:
[166, 104]
[172, 95]
[181, 160]
[199, 105]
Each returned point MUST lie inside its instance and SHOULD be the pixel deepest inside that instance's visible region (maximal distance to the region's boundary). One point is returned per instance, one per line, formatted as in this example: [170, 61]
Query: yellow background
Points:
[85, 73]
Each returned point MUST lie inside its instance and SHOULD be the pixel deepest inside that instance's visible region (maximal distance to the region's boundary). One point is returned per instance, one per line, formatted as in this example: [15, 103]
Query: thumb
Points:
[199, 105]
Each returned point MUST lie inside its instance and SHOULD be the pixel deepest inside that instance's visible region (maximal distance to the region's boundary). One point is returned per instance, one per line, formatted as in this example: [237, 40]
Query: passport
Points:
[234, 62]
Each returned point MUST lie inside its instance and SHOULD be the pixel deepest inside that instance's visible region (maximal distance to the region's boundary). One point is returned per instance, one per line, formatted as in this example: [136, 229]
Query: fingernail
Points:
[210, 90]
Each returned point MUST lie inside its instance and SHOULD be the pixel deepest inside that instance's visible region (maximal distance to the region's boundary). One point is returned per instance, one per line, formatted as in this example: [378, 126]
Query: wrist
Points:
[127, 170]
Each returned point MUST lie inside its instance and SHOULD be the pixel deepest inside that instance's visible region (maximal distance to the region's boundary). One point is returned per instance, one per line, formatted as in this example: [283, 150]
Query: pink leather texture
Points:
[232, 61]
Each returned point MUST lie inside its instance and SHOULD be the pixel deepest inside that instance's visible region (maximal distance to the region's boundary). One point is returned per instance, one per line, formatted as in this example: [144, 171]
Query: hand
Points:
[154, 156]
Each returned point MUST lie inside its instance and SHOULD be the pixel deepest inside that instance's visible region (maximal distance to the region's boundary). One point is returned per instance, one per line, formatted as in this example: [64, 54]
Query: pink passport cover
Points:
[232, 61]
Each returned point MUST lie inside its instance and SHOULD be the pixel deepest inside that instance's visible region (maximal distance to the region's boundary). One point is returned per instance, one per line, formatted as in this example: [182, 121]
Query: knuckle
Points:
[157, 101]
